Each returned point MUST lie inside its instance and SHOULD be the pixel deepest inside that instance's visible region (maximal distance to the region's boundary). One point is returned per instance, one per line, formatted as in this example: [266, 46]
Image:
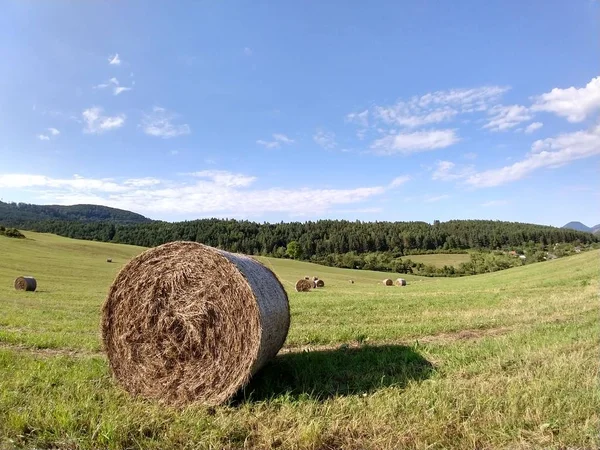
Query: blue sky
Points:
[304, 110]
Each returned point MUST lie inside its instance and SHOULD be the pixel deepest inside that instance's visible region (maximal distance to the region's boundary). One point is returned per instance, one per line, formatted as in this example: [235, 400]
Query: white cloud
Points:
[552, 152]
[53, 131]
[278, 139]
[466, 100]
[114, 60]
[96, 123]
[506, 117]
[405, 115]
[224, 178]
[573, 103]
[533, 126]
[361, 118]
[248, 51]
[159, 123]
[325, 139]
[399, 181]
[117, 90]
[215, 193]
[495, 203]
[418, 141]
[76, 183]
[434, 107]
[43, 137]
[449, 171]
[436, 198]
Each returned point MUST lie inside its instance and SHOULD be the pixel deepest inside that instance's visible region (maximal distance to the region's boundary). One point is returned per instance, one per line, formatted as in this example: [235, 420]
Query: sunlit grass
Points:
[502, 360]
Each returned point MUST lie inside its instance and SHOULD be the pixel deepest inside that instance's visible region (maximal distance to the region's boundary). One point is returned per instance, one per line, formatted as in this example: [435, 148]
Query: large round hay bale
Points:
[400, 282]
[303, 285]
[184, 322]
[25, 284]
[351, 281]
[319, 283]
[108, 260]
[388, 282]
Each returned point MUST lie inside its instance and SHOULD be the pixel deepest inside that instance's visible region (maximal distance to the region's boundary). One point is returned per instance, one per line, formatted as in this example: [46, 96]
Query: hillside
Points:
[24, 214]
[502, 360]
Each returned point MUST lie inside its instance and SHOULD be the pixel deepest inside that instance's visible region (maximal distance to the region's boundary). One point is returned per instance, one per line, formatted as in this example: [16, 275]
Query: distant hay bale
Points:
[388, 282]
[307, 277]
[25, 284]
[108, 260]
[184, 322]
[351, 281]
[400, 282]
[319, 283]
[303, 285]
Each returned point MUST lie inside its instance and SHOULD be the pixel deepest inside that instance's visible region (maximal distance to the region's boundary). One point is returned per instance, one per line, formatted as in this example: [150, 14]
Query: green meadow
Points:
[501, 360]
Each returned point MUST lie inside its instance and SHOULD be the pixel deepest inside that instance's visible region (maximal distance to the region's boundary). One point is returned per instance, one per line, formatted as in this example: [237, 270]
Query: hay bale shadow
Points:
[343, 371]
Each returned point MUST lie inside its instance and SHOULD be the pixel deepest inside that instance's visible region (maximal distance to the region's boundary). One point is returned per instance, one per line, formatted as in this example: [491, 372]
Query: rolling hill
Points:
[18, 214]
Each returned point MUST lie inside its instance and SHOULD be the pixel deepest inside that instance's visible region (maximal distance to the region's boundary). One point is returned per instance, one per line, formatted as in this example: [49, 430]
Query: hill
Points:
[502, 360]
[23, 214]
[578, 226]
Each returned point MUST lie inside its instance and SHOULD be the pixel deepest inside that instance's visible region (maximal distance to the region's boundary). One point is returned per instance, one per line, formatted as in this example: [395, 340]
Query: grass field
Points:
[441, 259]
[502, 360]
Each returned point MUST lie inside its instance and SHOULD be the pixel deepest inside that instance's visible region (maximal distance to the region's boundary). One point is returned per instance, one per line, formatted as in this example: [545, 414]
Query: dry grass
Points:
[507, 360]
[184, 322]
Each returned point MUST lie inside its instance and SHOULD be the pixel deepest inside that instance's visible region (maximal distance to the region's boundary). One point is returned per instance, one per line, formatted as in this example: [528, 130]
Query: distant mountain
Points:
[578, 226]
[15, 214]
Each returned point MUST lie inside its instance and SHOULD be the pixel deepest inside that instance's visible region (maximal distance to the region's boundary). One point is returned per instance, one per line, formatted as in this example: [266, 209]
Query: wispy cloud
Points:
[278, 139]
[575, 104]
[533, 127]
[53, 131]
[361, 118]
[325, 139]
[437, 107]
[551, 153]
[159, 123]
[96, 122]
[470, 155]
[114, 83]
[418, 141]
[495, 203]
[248, 51]
[114, 60]
[436, 198]
[506, 117]
[43, 137]
[399, 181]
[215, 193]
[120, 89]
[449, 171]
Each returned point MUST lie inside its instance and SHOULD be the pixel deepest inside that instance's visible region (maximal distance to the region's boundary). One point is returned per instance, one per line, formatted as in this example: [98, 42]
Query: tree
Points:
[293, 250]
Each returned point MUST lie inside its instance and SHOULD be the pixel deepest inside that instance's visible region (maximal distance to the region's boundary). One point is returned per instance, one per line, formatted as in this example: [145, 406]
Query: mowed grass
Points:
[441, 259]
[502, 360]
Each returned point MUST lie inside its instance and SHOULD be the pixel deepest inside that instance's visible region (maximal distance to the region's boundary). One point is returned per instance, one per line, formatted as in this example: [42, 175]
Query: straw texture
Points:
[388, 282]
[303, 285]
[185, 322]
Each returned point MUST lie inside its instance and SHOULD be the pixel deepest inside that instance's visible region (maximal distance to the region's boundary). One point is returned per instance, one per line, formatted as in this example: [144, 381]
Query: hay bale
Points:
[304, 285]
[307, 277]
[388, 282]
[400, 282]
[351, 281]
[184, 322]
[319, 283]
[25, 284]
[315, 278]
[108, 260]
